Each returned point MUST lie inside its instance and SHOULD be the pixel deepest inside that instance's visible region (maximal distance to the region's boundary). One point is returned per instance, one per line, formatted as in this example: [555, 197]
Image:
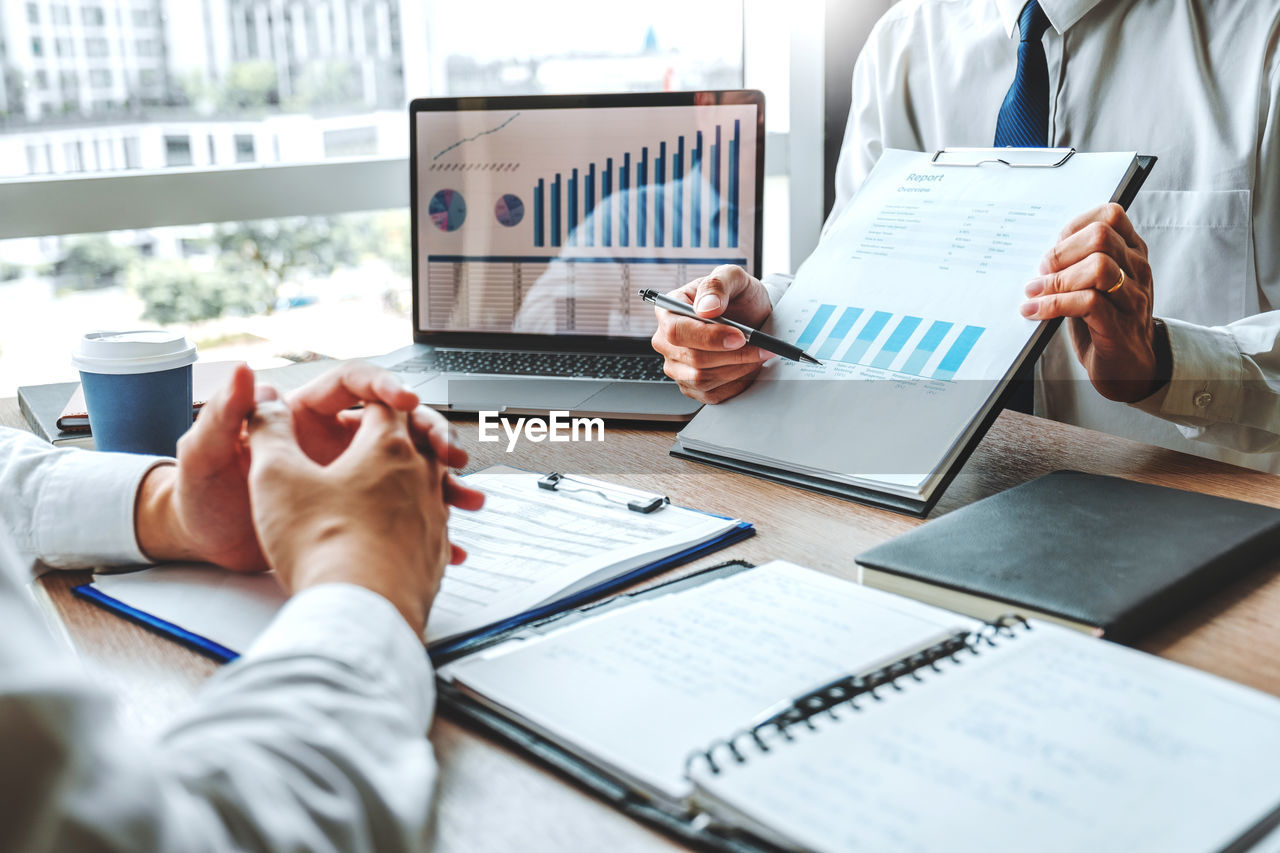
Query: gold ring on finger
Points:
[1119, 284]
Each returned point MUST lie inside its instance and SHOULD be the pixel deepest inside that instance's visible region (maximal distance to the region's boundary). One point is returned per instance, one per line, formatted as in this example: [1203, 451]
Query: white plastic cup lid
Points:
[133, 351]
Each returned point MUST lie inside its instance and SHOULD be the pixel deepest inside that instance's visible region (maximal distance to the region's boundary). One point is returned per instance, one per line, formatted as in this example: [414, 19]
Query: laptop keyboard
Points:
[504, 363]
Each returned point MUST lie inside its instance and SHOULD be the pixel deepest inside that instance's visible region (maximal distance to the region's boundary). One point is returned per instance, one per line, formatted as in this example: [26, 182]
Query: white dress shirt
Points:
[314, 740]
[1194, 82]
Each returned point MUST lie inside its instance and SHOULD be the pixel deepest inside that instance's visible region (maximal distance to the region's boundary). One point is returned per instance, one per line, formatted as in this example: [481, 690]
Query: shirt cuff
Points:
[360, 629]
[1207, 383]
[85, 513]
[776, 284]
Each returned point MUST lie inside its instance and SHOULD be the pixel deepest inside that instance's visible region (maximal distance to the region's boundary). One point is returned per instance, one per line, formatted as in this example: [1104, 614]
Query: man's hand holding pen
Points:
[711, 362]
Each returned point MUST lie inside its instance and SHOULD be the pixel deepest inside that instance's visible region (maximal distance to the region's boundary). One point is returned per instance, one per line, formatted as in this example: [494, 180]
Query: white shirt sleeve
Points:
[1225, 387]
[68, 508]
[314, 740]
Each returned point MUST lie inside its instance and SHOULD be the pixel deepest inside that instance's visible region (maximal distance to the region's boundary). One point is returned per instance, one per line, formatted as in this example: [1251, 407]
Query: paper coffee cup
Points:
[137, 386]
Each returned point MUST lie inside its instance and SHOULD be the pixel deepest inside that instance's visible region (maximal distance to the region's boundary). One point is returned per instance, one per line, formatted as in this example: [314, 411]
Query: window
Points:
[73, 152]
[132, 153]
[342, 290]
[105, 151]
[351, 142]
[35, 165]
[95, 47]
[100, 78]
[33, 13]
[61, 15]
[64, 47]
[37, 47]
[333, 104]
[42, 80]
[213, 154]
[245, 152]
[177, 150]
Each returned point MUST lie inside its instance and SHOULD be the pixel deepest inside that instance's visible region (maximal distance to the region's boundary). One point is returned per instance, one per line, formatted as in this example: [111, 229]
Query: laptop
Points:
[536, 220]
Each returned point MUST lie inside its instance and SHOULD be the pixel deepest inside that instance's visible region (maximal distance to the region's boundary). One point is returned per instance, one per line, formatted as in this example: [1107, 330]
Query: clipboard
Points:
[1040, 158]
[628, 502]
[943, 158]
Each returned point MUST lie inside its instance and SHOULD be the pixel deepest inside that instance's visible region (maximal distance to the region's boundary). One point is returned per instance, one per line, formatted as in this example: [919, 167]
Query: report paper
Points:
[525, 548]
[530, 545]
[911, 302]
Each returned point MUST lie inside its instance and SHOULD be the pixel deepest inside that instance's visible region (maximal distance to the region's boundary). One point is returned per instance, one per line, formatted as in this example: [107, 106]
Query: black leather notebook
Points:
[1100, 554]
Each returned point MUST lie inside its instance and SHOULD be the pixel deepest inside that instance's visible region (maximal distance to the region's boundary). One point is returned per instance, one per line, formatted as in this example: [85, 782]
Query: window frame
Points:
[40, 206]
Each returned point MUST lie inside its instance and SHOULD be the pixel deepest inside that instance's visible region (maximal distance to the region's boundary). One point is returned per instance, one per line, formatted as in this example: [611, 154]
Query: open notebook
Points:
[777, 707]
[540, 544]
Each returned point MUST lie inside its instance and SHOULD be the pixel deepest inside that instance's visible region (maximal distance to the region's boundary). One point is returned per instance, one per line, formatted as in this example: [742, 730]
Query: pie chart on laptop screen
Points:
[509, 210]
[448, 210]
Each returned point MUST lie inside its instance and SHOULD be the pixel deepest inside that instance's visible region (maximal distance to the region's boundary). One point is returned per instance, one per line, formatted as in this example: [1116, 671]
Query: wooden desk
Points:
[491, 799]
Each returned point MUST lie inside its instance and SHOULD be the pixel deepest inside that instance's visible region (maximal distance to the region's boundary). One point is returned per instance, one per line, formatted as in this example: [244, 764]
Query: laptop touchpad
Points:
[475, 394]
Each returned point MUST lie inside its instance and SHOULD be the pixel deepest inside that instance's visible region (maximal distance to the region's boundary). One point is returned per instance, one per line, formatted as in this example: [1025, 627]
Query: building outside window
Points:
[245, 149]
[177, 151]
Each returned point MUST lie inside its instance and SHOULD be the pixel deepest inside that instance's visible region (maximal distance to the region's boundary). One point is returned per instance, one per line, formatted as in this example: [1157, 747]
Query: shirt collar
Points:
[1062, 14]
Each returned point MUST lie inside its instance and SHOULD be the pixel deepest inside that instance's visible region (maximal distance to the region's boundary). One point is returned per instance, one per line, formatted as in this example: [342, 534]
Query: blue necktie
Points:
[1024, 123]
[1024, 115]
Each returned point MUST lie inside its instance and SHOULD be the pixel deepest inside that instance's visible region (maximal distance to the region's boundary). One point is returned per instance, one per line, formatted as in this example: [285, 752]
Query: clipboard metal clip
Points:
[1014, 158]
[632, 499]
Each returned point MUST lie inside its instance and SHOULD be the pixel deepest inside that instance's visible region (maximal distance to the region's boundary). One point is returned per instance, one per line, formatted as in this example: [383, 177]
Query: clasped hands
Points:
[313, 489]
[1098, 277]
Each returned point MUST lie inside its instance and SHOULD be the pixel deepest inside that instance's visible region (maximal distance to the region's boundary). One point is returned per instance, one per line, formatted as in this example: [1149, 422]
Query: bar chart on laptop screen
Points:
[550, 220]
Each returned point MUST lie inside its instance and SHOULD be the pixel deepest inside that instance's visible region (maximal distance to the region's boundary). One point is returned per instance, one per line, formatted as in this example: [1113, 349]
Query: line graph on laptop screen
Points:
[548, 221]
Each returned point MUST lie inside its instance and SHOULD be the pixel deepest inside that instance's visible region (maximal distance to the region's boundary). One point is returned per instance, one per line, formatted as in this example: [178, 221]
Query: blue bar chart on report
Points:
[899, 343]
[575, 209]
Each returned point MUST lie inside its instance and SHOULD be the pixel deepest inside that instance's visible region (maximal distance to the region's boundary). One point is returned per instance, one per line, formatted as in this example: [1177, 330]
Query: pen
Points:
[754, 336]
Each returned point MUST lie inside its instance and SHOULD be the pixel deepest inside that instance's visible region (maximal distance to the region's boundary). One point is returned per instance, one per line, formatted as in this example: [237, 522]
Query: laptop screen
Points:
[541, 217]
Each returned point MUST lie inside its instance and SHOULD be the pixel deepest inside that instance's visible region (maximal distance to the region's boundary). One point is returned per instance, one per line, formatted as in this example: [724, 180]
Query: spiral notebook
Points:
[781, 708]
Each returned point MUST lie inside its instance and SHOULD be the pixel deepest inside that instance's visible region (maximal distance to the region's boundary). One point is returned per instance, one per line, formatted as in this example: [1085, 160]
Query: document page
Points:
[229, 608]
[643, 686]
[911, 303]
[1053, 741]
[528, 546]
